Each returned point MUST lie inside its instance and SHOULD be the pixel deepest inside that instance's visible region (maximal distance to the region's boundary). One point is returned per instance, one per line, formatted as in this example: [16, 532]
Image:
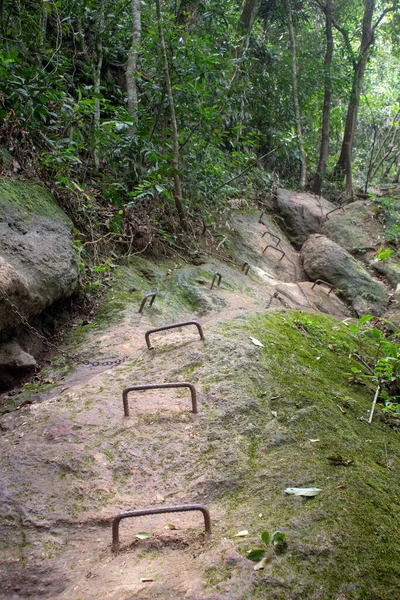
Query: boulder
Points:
[356, 228]
[12, 356]
[390, 269]
[303, 213]
[37, 261]
[14, 361]
[324, 259]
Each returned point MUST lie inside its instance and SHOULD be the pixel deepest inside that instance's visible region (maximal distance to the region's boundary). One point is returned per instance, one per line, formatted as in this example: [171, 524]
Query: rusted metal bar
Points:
[278, 297]
[151, 295]
[159, 386]
[274, 236]
[275, 248]
[216, 274]
[127, 514]
[332, 211]
[322, 282]
[246, 268]
[174, 326]
[260, 218]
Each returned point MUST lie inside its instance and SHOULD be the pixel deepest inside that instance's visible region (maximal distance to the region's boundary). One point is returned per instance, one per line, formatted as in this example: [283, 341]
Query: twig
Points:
[221, 242]
[363, 362]
[378, 389]
[248, 168]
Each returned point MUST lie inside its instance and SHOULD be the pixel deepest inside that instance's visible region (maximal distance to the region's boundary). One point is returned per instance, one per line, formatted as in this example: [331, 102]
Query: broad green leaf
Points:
[278, 538]
[266, 538]
[365, 319]
[142, 535]
[256, 555]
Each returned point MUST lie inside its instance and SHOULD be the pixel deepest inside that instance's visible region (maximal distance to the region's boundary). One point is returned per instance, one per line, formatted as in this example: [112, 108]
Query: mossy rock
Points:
[355, 228]
[390, 269]
[22, 200]
[37, 260]
[324, 259]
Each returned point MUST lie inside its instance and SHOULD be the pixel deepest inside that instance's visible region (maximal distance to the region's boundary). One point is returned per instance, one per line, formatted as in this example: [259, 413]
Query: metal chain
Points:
[71, 357]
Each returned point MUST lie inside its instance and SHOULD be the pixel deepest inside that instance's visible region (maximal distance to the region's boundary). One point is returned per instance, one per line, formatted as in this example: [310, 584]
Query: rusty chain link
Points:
[42, 338]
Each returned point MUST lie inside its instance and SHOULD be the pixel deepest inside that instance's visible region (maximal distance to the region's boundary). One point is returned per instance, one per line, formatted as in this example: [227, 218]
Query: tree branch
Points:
[248, 168]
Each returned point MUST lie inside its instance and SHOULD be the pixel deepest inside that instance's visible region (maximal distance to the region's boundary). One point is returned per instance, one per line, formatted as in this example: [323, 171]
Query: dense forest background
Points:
[145, 118]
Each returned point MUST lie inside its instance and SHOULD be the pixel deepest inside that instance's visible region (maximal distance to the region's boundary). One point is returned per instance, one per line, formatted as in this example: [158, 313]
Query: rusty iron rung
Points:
[216, 274]
[274, 236]
[260, 219]
[332, 211]
[159, 386]
[275, 248]
[158, 511]
[322, 282]
[246, 268]
[174, 326]
[151, 295]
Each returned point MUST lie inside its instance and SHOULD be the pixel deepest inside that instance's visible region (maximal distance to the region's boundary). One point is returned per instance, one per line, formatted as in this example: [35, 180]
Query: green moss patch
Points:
[22, 199]
[264, 411]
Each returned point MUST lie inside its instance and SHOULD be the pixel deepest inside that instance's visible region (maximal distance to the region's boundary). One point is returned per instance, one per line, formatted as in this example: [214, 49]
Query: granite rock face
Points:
[324, 259]
[37, 261]
[304, 214]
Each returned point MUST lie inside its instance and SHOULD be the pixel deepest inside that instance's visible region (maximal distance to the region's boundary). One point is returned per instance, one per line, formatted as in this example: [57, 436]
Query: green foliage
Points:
[381, 354]
[233, 103]
[277, 540]
[383, 254]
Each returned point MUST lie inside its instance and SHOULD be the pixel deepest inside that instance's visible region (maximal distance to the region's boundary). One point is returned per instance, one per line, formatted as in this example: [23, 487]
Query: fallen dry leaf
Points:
[307, 492]
[241, 533]
[263, 562]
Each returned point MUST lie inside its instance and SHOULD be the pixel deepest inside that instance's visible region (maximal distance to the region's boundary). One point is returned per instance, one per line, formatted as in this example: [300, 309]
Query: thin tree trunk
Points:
[324, 149]
[245, 25]
[97, 79]
[43, 24]
[303, 168]
[343, 166]
[175, 158]
[3, 25]
[371, 158]
[243, 31]
[132, 60]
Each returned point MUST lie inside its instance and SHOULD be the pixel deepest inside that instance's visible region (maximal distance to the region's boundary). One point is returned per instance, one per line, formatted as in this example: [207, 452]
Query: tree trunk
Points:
[175, 157]
[324, 148]
[243, 31]
[343, 166]
[132, 61]
[303, 172]
[245, 25]
[97, 79]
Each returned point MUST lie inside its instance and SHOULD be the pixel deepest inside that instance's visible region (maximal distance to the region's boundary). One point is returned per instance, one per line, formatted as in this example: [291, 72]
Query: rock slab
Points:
[304, 214]
[324, 259]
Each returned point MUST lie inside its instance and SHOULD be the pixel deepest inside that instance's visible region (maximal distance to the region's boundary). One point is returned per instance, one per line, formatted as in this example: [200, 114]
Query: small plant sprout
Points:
[263, 555]
[383, 254]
